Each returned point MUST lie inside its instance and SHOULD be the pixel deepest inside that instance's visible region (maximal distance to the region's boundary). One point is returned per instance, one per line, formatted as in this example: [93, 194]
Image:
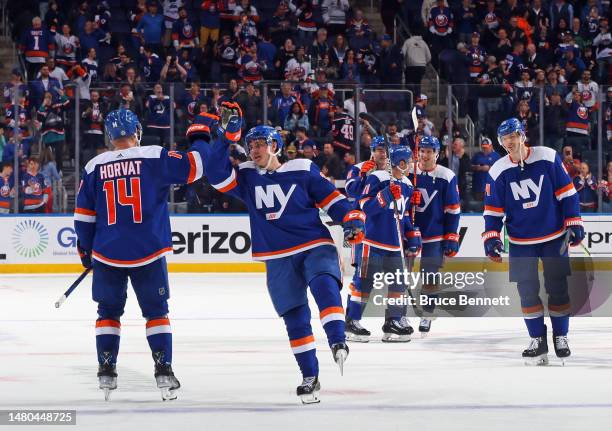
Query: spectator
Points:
[251, 104]
[15, 87]
[307, 25]
[492, 86]
[348, 161]
[91, 64]
[51, 117]
[2, 143]
[560, 10]
[91, 37]
[603, 50]
[210, 22]
[150, 64]
[586, 187]
[605, 186]
[390, 69]
[170, 11]
[530, 123]
[572, 165]
[266, 53]
[338, 51]
[296, 118]
[36, 45]
[393, 134]
[416, 58]
[158, 116]
[343, 131]
[53, 17]
[291, 152]
[350, 68]
[190, 100]
[302, 139]
[50, 174]
[388, 11]
[245, 29]
[349, 106]
[184, 33]
[440, 23]
[358, 31]
[298, 69]
[331, 160]
[481, 163]
[321, 112]
[226, 53]
[125, 99]
[334, 15]
[250, 67]
[82, 80]
[150, 27]
[244, 6]
[281, 104]
[18, 121]
[93, 124]
[56, 72]
[459, 162]
[589, 90]
[554, 86]
[319, 47]
[172, 71]
[7, 186]
[285, 53]
[35, 190]
[280, 24]
[535, 60]
[67, 45]
[466, 20]
[554, 117]
[577, 124]
[42, 85]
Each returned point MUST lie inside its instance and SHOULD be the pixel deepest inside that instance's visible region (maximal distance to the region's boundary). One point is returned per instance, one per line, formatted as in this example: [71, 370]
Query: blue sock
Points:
[159, 336]
[297, 321]
[108, 334]
[326, 293]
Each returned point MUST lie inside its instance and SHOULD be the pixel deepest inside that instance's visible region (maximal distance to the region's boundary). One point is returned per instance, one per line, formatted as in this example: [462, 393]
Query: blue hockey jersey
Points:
[381, 228]
[121, 208]
[283, 205]
[437, 213]
[354, 183]
[537, 202]
[6, 188]
[35, 190]
[159, 112]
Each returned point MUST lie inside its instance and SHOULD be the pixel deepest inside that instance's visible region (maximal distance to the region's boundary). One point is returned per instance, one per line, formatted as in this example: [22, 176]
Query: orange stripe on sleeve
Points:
[192, 168]
[328, 199]
[564, 189]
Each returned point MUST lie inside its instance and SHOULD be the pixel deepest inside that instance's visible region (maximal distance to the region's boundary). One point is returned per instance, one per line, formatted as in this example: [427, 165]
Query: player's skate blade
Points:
[537, 352]
[562, 349]
[308, 391]
[355, 332]
[340, 352]
[424, 326]
[107, 378]
[395, 332]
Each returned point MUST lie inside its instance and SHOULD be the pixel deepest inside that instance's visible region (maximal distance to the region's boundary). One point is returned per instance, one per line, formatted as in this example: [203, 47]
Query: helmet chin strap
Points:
[270, 155]
[522, 139]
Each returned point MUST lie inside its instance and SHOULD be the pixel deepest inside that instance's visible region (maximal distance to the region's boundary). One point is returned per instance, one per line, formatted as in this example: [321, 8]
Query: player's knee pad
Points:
[529, 292]
[557, 290]
[151, 310]
[110, 312]
[297, 321]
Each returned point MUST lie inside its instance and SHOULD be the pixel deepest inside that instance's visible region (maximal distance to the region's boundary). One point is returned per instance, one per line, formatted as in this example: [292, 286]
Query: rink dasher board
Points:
[221, 243]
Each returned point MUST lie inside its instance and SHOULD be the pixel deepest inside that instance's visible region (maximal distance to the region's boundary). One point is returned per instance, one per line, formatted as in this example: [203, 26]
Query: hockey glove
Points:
[450, 245]
[413, 243]
[389, 194]
[85, 255]
[416, 198]
[367, 167]
[493, 245]
[203, 126]
[353, 225]
[575, 225]
[231, 121]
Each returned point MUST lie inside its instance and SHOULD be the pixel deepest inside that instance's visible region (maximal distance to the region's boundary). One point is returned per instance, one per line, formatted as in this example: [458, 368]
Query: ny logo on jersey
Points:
[522, 189]
[266, 196]
[426, 199]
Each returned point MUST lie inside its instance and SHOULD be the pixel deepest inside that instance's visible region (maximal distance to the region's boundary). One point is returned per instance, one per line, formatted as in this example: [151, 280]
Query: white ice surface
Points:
[233, 359]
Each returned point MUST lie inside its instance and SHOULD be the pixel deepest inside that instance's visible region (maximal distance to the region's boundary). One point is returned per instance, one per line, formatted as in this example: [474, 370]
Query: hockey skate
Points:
[425, 326]
[355, 332]
[561, 347]
[537, 352]
[107, 376]
[308, 391]
[340, 352]
[396, 331]
[164, 376]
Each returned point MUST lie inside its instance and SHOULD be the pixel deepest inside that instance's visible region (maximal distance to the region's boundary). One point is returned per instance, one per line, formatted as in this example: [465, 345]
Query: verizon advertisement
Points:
[221, 238]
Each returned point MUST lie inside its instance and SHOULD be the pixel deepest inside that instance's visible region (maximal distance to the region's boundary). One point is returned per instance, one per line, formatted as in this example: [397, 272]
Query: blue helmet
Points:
[267, 133]
[121, 123]
[378, 141]
[430, 142]
[508, 127]
[397, 153]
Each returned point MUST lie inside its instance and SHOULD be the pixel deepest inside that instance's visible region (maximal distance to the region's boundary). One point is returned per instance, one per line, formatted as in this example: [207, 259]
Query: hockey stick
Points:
[74, 285]
[566, 242]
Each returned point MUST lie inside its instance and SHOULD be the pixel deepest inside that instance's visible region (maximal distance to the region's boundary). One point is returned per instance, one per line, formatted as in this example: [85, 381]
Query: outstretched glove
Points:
[493, 245]
[231, 121]
[203, 126]
[392, 192]
[367, 167]
[353, 226]
[450, 245]
[85, 255]
[413, 243]
[575, 226]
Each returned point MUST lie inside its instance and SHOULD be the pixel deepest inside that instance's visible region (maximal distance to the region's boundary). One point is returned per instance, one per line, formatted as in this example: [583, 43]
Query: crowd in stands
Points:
[157, 58]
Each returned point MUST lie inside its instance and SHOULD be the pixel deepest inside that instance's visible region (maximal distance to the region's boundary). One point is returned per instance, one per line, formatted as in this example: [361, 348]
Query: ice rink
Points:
[233, 359]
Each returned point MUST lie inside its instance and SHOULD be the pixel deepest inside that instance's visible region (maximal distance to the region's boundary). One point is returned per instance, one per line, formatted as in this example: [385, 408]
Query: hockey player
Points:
[123, 228]
[385, 200]
[531, 189]
[436, 216]
[283, 201]
[355, 182]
